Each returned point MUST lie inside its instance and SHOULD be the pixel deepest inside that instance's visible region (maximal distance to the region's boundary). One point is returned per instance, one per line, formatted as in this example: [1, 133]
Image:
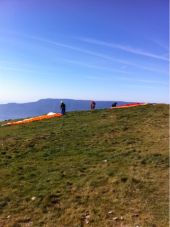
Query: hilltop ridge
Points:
[43, 106]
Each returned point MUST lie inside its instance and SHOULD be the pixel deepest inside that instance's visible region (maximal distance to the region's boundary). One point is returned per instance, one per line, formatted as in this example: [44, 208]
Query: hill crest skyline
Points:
[43, 106]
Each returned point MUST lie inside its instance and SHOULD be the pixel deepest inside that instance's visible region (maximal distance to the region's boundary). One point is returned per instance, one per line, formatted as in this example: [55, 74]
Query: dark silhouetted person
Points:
[63, 108]
[92, 105]
[114, 104]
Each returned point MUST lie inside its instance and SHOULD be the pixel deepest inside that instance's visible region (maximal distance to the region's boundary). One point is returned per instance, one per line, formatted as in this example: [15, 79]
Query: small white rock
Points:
[33, 198]
[115, 218]
[104, 160]
[8, 216]
[110, 212]
[87, 221]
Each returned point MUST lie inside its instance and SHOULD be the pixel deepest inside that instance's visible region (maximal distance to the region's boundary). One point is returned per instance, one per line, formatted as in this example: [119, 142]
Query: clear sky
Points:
[84, 49]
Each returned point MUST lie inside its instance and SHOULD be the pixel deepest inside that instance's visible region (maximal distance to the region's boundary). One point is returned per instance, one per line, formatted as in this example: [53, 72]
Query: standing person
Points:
[93, 105]
[114, 104]
[63, 108]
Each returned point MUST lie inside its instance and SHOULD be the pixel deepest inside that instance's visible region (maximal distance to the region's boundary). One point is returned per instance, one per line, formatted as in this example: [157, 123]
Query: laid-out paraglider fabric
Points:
[129, 105]
[38, 118]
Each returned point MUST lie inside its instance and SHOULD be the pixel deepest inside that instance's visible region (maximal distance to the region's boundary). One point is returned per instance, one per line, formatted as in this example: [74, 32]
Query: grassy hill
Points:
[103, 168]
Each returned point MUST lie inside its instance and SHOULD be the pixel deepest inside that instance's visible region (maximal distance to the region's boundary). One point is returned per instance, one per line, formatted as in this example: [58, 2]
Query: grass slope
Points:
[101, 168]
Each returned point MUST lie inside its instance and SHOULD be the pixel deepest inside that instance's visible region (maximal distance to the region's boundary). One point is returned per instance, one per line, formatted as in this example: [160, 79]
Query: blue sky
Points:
[93, 49]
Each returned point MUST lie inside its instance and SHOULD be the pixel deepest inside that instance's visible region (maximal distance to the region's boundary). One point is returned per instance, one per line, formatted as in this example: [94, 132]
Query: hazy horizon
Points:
[36, 100]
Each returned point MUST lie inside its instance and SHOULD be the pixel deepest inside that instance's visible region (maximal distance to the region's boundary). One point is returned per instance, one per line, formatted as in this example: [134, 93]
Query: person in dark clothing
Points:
[114, 104]
[63, 108]
[93, 105]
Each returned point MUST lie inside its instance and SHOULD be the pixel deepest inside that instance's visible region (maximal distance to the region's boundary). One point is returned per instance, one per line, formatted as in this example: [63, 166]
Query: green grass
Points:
[101, 168]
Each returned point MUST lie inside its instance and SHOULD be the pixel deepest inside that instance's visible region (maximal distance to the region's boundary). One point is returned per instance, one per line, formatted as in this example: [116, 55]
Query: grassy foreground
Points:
[104, 168]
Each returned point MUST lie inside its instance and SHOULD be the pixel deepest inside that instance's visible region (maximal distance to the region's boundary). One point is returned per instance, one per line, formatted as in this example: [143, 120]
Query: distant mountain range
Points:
[44, 106]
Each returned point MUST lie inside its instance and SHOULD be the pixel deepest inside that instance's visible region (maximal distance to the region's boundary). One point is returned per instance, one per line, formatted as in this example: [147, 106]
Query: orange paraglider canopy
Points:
[129, 105]
[38, 118]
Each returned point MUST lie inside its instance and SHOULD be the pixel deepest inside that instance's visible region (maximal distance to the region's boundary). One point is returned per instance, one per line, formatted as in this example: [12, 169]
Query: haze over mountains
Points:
[43, 106]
